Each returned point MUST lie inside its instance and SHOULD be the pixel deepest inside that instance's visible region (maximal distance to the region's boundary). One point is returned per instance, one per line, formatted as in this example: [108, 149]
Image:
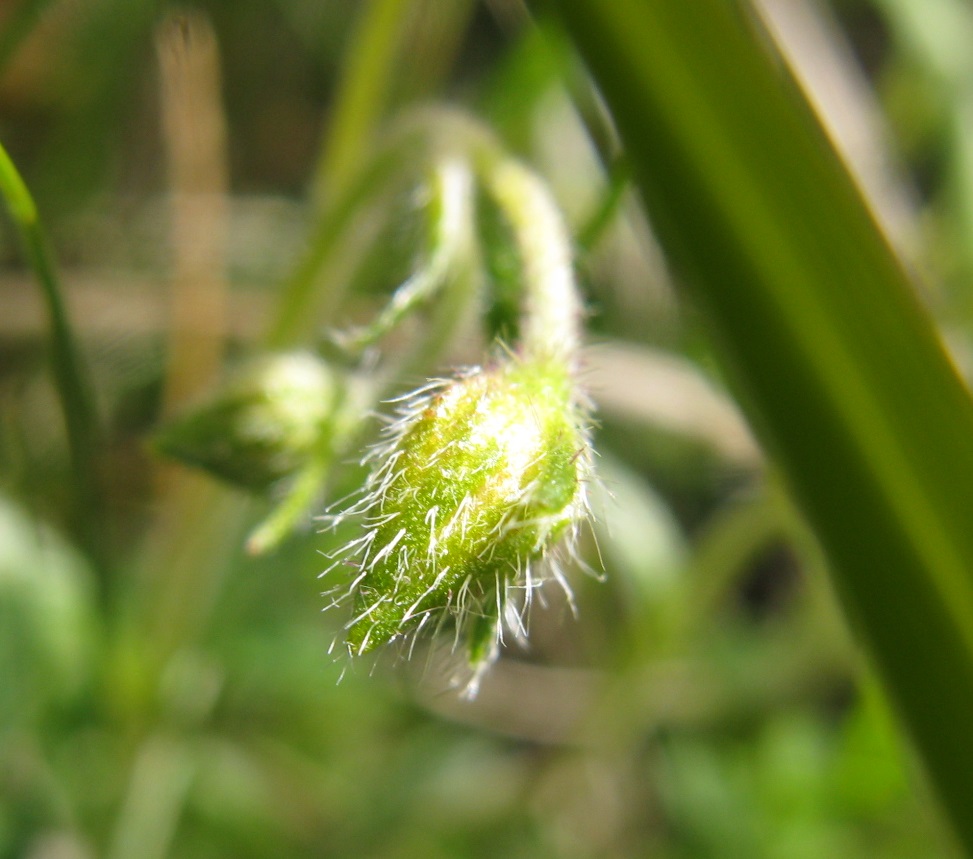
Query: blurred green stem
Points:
[606, 208]
[421, 138]
[449, 190]
[308, 300]
[729, 544]
[159, 784]
[363, 88]
[77, 403]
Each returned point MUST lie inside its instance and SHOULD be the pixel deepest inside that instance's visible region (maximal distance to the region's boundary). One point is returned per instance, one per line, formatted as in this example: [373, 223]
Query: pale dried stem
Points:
[195, 141]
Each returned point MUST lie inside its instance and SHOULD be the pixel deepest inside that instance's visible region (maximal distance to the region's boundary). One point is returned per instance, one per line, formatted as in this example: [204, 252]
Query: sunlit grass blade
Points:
[839, 365]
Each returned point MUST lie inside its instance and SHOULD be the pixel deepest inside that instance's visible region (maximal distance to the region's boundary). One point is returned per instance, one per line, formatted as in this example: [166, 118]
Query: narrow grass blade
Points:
[76, 400]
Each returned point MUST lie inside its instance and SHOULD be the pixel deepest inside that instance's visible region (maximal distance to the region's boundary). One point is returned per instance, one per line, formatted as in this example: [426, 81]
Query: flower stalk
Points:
[552, 312]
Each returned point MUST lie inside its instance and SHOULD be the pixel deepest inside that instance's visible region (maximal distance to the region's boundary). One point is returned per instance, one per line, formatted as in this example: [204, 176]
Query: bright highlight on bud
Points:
[472, 487]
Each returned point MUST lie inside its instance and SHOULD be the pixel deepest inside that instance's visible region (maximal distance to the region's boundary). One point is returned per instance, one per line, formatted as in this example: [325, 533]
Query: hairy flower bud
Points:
[474, 484]
[265, 424]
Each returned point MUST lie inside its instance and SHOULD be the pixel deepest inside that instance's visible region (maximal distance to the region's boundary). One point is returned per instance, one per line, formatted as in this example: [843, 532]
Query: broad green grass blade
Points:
[839, 365]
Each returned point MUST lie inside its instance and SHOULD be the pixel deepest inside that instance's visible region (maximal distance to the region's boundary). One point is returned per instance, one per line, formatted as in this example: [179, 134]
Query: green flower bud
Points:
[265, 424]
[472, 487]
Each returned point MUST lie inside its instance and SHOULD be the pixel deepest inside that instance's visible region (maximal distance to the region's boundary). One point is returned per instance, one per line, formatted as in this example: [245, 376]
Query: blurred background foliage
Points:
[178, 699]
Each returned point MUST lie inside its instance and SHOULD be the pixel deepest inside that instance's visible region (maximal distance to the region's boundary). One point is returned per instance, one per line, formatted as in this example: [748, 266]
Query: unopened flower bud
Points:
[473, 486]
[265, 424]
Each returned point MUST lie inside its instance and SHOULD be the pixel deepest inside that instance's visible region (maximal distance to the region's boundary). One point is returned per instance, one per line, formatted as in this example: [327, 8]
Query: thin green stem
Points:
[308, 486]
[68, 365]
[606, 209]
[366, 73]
[307, 299]
[449, 207]
[461, 282]
[422, 138]
[159, 785]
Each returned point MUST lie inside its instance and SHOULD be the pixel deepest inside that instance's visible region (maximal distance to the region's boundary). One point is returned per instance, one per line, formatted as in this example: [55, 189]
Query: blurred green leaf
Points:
[638, 536]
[48, 629]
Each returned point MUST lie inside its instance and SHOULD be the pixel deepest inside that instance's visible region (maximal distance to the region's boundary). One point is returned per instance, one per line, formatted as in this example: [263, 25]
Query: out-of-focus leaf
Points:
[638, 537]
[47, 625]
